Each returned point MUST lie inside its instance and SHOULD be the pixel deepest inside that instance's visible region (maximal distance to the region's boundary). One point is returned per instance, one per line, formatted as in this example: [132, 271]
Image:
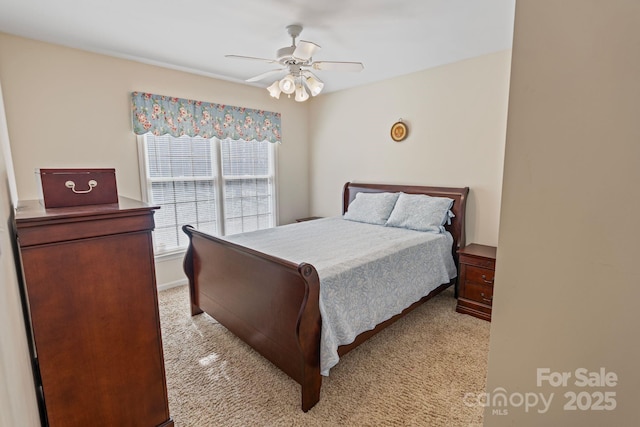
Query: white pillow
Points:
[372, 208]
[421, 212]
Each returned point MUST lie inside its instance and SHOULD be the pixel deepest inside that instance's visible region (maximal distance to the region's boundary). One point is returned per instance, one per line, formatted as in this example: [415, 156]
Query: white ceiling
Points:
[390, 37]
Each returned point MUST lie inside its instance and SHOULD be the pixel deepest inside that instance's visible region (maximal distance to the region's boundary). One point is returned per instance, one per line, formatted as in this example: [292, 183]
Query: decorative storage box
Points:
[77, 187]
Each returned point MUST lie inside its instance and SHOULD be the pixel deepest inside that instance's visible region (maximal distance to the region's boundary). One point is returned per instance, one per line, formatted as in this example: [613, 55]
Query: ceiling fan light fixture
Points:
[297, 60]
[301, 93]
[315, 85]
[274, 89]
[287, 84]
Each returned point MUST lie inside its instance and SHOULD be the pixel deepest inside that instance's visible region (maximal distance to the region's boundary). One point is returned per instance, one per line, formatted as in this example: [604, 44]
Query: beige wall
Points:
[17, 397]
[456, 116]
[70, 108]
[457, 121]
[566, 281]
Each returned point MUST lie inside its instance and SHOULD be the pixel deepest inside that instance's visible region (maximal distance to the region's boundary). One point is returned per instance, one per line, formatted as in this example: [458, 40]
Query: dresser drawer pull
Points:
[488, 282]
[485, 299]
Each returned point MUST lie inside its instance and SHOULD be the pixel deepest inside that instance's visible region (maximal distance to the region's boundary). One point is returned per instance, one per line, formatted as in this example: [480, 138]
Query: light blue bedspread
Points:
[368, 273]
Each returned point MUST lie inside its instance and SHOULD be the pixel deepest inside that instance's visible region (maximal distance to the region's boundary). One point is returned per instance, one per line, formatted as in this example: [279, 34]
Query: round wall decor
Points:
[399, 131]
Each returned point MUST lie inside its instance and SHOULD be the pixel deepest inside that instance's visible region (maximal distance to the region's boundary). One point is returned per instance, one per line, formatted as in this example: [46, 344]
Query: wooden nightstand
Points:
[477, 268]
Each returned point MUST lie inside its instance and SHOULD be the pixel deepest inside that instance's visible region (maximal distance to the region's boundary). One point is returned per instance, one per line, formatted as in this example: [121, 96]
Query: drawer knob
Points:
[72, 185]
[485, 299]
[488, 282]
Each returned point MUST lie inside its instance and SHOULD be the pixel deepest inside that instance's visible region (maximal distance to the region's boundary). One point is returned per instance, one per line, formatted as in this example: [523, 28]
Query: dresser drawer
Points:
[482, 276]
[478, 292]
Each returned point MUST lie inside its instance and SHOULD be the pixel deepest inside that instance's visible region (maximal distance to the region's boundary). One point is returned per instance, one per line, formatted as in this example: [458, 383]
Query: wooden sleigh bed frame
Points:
[273, 304]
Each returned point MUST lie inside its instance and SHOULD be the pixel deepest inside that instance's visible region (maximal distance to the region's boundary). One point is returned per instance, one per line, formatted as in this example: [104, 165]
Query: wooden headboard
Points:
[459, 195]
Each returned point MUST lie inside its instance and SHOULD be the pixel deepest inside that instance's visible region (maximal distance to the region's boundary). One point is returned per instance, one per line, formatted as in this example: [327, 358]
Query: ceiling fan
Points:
[297, 61]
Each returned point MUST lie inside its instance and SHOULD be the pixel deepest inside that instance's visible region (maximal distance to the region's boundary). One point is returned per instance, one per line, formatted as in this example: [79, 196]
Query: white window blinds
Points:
[185, 176]
[248, 186]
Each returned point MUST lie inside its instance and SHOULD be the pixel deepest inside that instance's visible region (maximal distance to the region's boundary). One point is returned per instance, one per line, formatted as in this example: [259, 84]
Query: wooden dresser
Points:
[477, 269]
[89, 281]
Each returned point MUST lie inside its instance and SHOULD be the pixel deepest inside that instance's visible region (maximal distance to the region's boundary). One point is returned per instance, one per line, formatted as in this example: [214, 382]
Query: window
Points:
[221, 187]
[247, 180]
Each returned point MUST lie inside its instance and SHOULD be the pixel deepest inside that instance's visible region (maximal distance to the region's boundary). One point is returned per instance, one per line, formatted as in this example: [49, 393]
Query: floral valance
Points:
[162, 115]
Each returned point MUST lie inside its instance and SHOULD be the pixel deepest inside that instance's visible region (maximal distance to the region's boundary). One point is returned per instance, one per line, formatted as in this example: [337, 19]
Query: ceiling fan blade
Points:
[265, 75]
[253, 58]
[305, 50]
[338, 66]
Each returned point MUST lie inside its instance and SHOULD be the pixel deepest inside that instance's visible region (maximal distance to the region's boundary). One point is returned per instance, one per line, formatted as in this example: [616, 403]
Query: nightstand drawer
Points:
[482, 276]
[478, 292]
[478, 261]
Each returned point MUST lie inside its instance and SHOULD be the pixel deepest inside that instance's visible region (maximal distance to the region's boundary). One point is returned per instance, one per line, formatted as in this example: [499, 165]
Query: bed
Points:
[261, 289]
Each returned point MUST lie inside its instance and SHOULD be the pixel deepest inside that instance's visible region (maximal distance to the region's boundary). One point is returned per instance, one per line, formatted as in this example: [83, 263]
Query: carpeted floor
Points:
[414, 373]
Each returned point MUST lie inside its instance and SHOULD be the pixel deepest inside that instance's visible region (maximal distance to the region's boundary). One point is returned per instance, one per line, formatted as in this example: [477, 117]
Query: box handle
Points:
[72, 185]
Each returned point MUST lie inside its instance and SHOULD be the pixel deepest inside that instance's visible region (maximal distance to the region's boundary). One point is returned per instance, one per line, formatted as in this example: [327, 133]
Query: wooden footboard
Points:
[268, 302]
